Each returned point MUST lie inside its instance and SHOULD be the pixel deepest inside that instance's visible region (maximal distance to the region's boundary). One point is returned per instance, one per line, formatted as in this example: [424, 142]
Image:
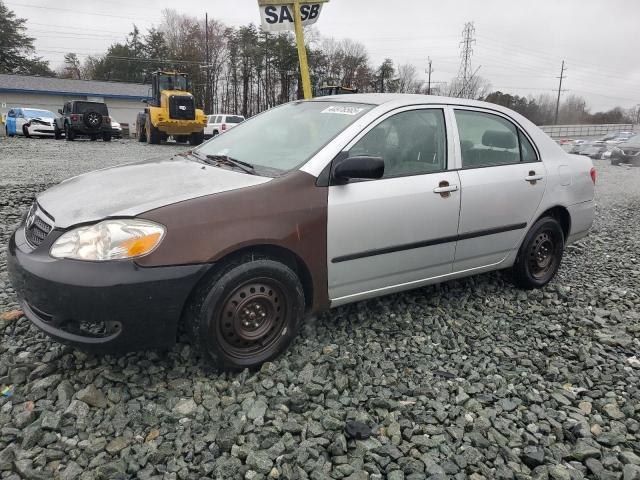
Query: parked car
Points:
[613, 138]
[220, 123]
[593, 151]
[83, 118]
[308, 206]
[116, 129]
[627, 152]
[28, 122]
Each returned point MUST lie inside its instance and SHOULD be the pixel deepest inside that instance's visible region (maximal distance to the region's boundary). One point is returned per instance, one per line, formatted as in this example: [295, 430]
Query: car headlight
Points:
[109, 240]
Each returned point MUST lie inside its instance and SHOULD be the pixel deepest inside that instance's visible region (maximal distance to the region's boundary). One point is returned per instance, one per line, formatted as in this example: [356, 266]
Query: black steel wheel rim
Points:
[543, 255]
[253, 317]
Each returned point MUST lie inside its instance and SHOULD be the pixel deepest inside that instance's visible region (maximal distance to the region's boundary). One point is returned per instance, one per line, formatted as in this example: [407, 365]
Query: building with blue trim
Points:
[49, 93]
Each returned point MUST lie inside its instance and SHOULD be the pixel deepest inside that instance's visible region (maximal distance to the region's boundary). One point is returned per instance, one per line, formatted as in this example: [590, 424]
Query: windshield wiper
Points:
[245, 166]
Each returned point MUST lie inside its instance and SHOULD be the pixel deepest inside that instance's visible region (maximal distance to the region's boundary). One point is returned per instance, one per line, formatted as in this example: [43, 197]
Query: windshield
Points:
[172, 82]
[285, 137]
[84, 107]
[30, 112]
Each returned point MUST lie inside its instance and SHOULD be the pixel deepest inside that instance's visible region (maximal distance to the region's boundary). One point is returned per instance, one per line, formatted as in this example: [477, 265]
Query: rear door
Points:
[390, 234]
[502, 182]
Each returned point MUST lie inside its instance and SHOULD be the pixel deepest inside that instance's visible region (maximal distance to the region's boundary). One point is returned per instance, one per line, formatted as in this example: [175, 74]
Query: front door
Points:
[392, 233]
[503, 182]
[11, 122]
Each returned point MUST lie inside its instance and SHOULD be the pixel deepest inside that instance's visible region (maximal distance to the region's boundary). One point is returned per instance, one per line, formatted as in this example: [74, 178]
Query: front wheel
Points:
[25, 131]
[540, 255]
[106, 137]
[69, 134]
[247, 313]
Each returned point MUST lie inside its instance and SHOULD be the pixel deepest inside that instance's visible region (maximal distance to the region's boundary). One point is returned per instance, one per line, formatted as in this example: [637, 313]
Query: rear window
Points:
[84, 107]
[234, 119]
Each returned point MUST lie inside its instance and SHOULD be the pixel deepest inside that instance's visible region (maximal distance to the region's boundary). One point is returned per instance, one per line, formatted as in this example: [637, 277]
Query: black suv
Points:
[90, 119]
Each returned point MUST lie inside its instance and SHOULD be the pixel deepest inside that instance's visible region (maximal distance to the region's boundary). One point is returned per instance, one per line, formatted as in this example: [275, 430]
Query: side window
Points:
[486, 139]
[410, 143]
[527, 152]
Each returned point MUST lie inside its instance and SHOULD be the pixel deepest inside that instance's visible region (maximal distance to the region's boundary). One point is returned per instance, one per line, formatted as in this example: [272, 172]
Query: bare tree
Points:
[408, 82]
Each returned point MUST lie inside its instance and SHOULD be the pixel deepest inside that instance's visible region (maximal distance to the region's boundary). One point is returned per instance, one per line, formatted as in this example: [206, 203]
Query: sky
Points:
[519, 45]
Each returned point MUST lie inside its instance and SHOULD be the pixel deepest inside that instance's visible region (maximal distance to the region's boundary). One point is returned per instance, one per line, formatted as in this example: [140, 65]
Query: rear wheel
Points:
[247, 313]
[196, 138]
[540, 255]
[93, 138]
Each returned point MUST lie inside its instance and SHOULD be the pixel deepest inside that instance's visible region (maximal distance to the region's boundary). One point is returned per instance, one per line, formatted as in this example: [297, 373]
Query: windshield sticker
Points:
[342, 110]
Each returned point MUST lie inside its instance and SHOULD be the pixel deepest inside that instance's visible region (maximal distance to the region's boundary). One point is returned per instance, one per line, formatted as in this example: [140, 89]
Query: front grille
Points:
[182, 107]
[36, 227]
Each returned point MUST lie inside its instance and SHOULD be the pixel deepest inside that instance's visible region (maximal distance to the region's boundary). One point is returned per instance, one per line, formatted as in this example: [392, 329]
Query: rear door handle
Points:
[533, 178]
[444, 189]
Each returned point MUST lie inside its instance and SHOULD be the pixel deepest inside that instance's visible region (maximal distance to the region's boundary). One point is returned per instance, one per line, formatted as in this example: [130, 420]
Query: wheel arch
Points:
[562, 215]
[275, 252]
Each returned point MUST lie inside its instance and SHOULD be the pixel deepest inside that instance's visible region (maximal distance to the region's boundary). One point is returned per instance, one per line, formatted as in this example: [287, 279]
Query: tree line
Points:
[244, 70]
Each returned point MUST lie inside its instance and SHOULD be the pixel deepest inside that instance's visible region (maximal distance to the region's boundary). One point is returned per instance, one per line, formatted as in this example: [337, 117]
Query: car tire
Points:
[106, 137]
[25, 131]
[93, 138]
[69, 134]
[215, 132]
[615, 161]
[246, 313]
[540, 254]
[196, 138]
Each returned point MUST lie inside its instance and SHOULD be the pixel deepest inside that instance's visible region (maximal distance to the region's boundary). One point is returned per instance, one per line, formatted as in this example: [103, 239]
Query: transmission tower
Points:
[465, 74]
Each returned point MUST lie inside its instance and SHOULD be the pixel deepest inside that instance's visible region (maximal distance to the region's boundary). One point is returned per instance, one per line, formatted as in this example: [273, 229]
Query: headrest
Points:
[499, 139]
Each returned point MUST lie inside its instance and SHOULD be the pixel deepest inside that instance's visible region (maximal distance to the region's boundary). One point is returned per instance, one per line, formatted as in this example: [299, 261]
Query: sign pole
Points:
[302, 51]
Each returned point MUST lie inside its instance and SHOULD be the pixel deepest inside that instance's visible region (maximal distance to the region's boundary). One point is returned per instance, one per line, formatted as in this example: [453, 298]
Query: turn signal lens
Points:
[109, 240]
[593, 175]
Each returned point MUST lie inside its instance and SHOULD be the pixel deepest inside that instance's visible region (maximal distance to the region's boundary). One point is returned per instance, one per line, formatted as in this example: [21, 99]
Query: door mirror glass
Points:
[361, 167]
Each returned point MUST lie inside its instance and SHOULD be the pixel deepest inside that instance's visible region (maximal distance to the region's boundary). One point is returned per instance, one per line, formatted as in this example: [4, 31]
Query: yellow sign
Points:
[279, 15]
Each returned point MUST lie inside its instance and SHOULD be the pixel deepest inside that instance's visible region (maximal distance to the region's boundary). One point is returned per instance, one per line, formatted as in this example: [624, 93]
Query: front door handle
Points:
[533, 178]
[444, 189]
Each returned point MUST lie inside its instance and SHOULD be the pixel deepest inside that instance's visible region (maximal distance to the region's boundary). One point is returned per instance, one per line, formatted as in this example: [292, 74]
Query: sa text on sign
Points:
[279, 18]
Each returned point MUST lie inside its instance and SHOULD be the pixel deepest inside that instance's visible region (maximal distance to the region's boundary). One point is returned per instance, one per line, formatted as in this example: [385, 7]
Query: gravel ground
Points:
[468, 379]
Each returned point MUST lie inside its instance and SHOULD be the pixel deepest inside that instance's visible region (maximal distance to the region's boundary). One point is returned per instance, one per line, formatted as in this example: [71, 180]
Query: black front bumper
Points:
[113, 306]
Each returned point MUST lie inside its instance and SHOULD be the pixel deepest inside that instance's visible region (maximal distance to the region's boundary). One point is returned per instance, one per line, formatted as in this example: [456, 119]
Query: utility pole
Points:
[207, 94]
[429, 73]
[465, 73]
[562, 69]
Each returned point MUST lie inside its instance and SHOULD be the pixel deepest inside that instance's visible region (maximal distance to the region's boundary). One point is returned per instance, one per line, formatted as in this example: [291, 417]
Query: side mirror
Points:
[60, 111]
[358, 167]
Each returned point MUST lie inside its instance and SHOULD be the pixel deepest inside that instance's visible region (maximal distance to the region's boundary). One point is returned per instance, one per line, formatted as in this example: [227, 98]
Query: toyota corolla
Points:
[305, 207]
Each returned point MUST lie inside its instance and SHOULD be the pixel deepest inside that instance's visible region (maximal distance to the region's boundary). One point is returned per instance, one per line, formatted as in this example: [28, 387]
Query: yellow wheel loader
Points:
[171, 112]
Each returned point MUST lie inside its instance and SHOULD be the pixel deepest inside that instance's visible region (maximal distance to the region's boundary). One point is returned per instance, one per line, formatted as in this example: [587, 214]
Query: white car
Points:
[220, 123]
[29, 121]
[116, 129]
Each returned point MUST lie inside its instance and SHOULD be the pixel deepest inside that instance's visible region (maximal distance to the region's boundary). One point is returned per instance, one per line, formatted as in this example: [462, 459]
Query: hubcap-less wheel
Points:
[253, 317]
[542, 256]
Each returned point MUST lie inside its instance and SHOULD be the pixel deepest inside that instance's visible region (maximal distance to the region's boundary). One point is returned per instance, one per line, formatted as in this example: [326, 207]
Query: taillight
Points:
[107, 119]
[224, 126]
[74, 118]
[593, 175]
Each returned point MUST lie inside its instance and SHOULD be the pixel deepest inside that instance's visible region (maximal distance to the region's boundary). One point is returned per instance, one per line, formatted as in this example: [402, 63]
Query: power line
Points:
[77, 12]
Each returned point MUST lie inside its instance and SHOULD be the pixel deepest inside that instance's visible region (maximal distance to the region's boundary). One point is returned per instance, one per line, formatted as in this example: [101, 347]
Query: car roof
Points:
[405, 99]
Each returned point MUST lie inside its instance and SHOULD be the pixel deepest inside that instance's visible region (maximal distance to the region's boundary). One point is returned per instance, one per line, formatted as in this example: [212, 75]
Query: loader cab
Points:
[163, 81]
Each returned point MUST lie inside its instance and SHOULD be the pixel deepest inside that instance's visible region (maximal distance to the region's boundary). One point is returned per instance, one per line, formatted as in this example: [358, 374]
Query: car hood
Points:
[42, 119]
[631, 145]
[129, 190]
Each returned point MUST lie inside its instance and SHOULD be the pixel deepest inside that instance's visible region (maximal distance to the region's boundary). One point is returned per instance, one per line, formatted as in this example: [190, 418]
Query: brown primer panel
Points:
[289, 212]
